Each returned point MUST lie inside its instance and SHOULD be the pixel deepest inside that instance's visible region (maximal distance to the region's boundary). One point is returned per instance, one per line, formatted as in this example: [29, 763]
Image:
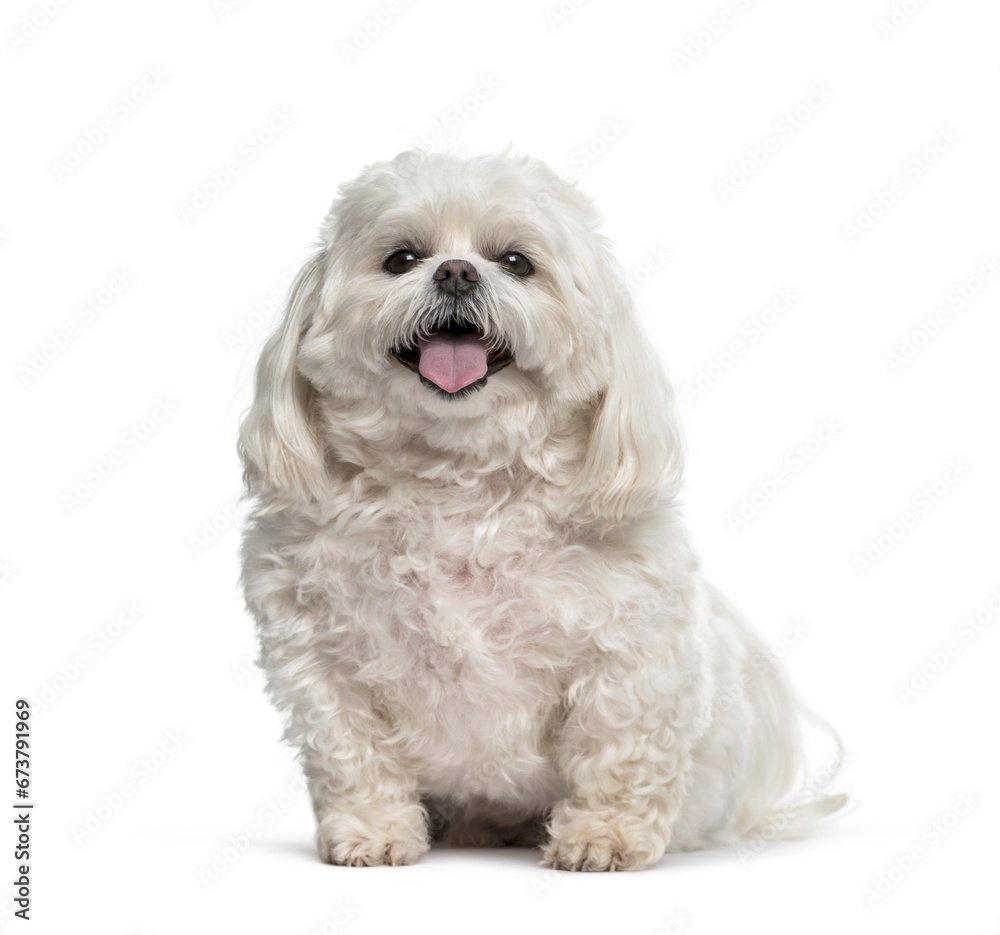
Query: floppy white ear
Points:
[283, 458]
[635, 452]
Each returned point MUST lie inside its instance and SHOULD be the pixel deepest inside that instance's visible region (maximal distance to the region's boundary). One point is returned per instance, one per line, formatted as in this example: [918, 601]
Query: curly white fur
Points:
[481, 611]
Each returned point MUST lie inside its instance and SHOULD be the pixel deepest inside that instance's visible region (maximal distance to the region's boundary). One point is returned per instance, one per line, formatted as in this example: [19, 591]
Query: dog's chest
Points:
[468, 597]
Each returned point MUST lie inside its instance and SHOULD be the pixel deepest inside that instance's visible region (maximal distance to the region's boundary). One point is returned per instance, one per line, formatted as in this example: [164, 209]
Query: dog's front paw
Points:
[589, 841]
[389, 837]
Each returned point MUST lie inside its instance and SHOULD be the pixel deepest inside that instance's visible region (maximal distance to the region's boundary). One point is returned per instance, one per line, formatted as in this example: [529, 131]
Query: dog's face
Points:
[452, 288]
[468, 306]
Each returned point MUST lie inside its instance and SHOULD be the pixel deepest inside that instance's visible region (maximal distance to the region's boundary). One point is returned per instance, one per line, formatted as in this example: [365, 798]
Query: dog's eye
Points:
[400, 261]
[516, 263]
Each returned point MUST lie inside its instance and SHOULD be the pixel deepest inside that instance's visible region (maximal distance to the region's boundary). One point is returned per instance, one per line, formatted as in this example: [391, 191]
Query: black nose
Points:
[456, 277]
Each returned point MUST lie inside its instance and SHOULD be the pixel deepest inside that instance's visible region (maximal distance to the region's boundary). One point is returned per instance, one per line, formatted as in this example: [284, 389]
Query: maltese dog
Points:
[476, 599]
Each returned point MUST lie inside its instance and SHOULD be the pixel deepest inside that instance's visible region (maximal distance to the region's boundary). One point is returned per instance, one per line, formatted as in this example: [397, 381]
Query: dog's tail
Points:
[784, 794]
[794, 754]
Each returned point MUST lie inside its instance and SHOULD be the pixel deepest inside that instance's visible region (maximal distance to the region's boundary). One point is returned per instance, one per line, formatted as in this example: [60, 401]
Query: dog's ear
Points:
[635, 452]
[282, 454]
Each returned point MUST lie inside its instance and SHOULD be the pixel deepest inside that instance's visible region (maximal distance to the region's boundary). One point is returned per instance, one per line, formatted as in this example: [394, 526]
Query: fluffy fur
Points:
[480, 610]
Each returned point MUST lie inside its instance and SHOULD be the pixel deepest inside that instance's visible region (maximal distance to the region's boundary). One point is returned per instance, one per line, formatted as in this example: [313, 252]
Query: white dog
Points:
[475, 595]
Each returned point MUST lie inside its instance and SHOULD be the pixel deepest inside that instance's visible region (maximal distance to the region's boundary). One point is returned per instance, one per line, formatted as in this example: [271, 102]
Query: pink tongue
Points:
[452, 361]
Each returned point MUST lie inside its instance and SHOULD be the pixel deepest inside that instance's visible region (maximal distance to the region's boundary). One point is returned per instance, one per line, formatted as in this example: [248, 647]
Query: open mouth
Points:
[454, 358]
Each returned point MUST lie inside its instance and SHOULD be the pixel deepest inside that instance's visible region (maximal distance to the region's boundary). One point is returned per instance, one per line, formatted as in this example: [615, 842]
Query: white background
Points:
[75, 382]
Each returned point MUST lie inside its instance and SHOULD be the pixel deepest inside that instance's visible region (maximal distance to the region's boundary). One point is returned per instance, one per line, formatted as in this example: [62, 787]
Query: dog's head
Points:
[465, 311]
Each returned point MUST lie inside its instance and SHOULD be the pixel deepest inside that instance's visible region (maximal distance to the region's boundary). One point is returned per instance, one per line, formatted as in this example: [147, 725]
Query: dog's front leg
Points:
[375, 820]
[626, 759]
[367, 808]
